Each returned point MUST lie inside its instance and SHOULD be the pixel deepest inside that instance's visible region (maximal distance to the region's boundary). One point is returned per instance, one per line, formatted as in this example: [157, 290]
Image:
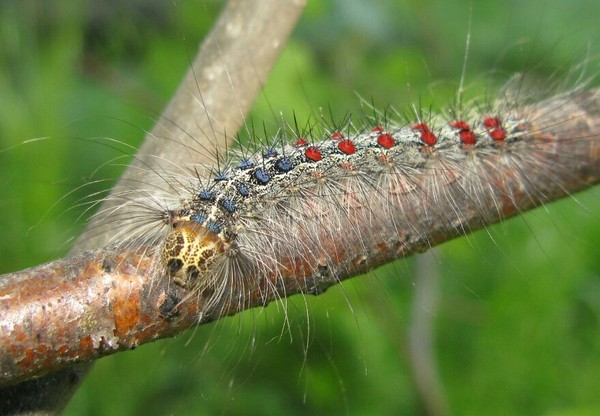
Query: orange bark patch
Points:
[126, 311]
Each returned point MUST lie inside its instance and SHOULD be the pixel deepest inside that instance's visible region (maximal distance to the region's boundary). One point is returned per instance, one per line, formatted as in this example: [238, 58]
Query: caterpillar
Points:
[475, 122]
[286, 206]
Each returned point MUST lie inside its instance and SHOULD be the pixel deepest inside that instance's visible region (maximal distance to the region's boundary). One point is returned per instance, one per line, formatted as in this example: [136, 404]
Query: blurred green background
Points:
[518, 320]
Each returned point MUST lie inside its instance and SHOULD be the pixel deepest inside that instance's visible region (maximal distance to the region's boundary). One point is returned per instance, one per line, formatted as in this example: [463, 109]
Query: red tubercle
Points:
[490, 122]
[337, 135]
[346, 146]
[459, 124]
[468, 137]
[427, 136]
[386, 140]
[378, 129]
[494, 128]
[497, 134]
[312, 153]
[301, 142]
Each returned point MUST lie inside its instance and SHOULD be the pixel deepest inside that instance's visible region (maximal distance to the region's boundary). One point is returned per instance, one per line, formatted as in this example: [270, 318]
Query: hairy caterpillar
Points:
[363, 330]
[238, 231]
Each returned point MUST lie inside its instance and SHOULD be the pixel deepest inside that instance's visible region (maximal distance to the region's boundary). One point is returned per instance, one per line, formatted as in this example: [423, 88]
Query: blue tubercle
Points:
[199, 217]
[206, 195]
[242, 189]
[228, 205]
[284, 165]
[262, 176]
[214, 226]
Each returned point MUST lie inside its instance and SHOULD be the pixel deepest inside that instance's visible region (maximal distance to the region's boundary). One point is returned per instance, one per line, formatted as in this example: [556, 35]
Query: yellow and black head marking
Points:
[188, 252]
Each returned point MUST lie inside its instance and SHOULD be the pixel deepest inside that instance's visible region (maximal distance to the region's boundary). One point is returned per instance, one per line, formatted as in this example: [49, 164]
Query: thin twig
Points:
[421, 337]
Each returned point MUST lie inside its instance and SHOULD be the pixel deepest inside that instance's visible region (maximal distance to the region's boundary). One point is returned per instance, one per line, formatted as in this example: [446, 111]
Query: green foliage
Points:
[519, 315]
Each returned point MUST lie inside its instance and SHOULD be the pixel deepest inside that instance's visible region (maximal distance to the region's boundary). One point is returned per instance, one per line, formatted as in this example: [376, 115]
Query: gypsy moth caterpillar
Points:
[364, 328]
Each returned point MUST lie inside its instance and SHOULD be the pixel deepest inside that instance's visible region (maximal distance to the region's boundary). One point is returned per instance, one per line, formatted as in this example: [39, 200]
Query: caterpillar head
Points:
[188, 252]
